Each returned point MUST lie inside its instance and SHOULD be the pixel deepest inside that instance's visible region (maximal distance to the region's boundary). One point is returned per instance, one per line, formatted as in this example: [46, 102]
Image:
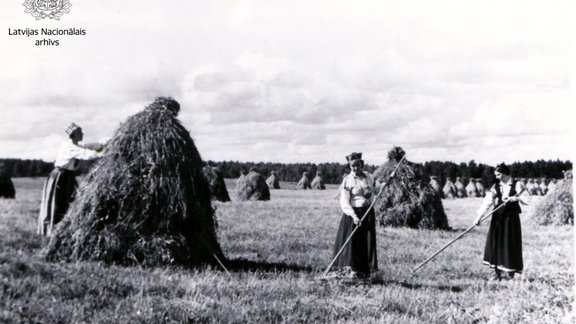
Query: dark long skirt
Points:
[503, 249]
[58, 193]
[360, 253]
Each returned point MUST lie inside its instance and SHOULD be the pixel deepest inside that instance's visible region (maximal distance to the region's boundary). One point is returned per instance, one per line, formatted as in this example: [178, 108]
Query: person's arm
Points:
[487, 202]
[520, 188]
[83, 153]
[345, 203]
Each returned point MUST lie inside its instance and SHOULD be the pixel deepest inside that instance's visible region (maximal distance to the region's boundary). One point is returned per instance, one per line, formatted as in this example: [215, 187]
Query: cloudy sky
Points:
[300, 81]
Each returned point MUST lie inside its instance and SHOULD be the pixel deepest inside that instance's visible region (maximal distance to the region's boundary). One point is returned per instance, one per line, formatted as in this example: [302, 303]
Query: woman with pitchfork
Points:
[358, 258]
[503, 250]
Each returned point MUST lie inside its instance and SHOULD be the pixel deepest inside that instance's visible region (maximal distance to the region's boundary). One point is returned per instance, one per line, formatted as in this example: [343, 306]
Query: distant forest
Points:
[332, 173]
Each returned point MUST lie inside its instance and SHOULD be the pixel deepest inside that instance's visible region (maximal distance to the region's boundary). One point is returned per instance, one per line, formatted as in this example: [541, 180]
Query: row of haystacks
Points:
[7, 189]
[407, 198]
[146, 202]
[456, 189]
[557, 207]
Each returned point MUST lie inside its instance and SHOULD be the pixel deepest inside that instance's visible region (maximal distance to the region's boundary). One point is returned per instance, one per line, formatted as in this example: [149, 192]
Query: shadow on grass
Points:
[439, 287]
[251, 266]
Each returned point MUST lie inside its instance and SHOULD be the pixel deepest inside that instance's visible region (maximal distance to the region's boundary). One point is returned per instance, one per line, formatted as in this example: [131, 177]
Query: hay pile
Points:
[304, 182]
[449, 189]
[408, 199]
[557, 207]
[216, 183]
[272, 181]
[460, 189]
[318, 182]
[145, 202]
[6, 186]
[471, 190]
[253, 187]
[480, 187]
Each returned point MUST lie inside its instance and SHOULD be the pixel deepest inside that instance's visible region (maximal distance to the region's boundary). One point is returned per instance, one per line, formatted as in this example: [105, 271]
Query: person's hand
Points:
[478, 218]
[511, 199]
[356, 220]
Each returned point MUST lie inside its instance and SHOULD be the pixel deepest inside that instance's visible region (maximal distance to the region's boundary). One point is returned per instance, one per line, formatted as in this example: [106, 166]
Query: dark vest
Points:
[512, 207]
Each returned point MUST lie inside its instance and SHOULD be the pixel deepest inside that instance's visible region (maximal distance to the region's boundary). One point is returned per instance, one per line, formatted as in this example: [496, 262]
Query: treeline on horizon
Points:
[332, 173]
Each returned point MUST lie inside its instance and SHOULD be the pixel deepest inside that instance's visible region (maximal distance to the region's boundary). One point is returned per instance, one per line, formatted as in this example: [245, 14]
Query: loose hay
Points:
[407, 200]
[557, 207]
[216, 183]
[253, 187]
[146, 202]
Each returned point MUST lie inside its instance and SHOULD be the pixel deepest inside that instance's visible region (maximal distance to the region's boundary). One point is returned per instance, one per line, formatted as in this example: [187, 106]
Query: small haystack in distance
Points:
[6, 185]
[304, 182]
[272, 181]
[318, 182]
[557, 207]
[436, 186]
[253, 187]
[449, 189]
[480, 187]
[145, 202]
[408, 199]
[543, 186]
[533, 188]
[216, 183]
[460, 189]
[471, 190]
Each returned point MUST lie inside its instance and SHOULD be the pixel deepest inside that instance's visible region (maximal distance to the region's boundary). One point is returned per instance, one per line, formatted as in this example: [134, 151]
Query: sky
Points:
[300, 81]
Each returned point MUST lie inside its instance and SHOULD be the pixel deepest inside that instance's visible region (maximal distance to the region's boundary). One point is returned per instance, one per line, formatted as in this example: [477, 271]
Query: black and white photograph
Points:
[253, 161]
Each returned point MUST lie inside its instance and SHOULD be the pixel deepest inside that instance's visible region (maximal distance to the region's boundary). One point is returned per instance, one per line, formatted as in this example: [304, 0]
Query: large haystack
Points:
[145, 202]
[304, 182]
[6, 186]
[408, 199]
[557, 207]
[318, 182]
[272, 181]
[253, 187]
[216, 183]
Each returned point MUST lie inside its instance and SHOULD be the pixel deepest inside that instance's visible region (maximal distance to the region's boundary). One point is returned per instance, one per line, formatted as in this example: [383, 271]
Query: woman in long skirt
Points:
[503, 250]
[358, 258]
[61, 183]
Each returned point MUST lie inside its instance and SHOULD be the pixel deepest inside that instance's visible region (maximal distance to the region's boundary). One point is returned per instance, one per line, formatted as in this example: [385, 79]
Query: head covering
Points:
[503, 168]
[70, 128]
[354, 156]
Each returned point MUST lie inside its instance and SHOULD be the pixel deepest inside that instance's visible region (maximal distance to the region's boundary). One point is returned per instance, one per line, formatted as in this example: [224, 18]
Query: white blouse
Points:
[491, 199]
[70, 153]
[354, 192]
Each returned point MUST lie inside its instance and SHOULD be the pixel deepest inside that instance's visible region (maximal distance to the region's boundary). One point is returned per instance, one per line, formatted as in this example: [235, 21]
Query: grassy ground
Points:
[276, 250]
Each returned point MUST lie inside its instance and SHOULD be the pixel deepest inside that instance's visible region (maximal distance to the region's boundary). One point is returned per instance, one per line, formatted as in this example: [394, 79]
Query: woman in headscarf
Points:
[503, 250]
[61, 183]
[358, 258]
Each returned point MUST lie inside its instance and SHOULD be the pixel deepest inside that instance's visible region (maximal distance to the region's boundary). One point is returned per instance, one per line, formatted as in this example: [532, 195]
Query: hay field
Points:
[276, 249]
